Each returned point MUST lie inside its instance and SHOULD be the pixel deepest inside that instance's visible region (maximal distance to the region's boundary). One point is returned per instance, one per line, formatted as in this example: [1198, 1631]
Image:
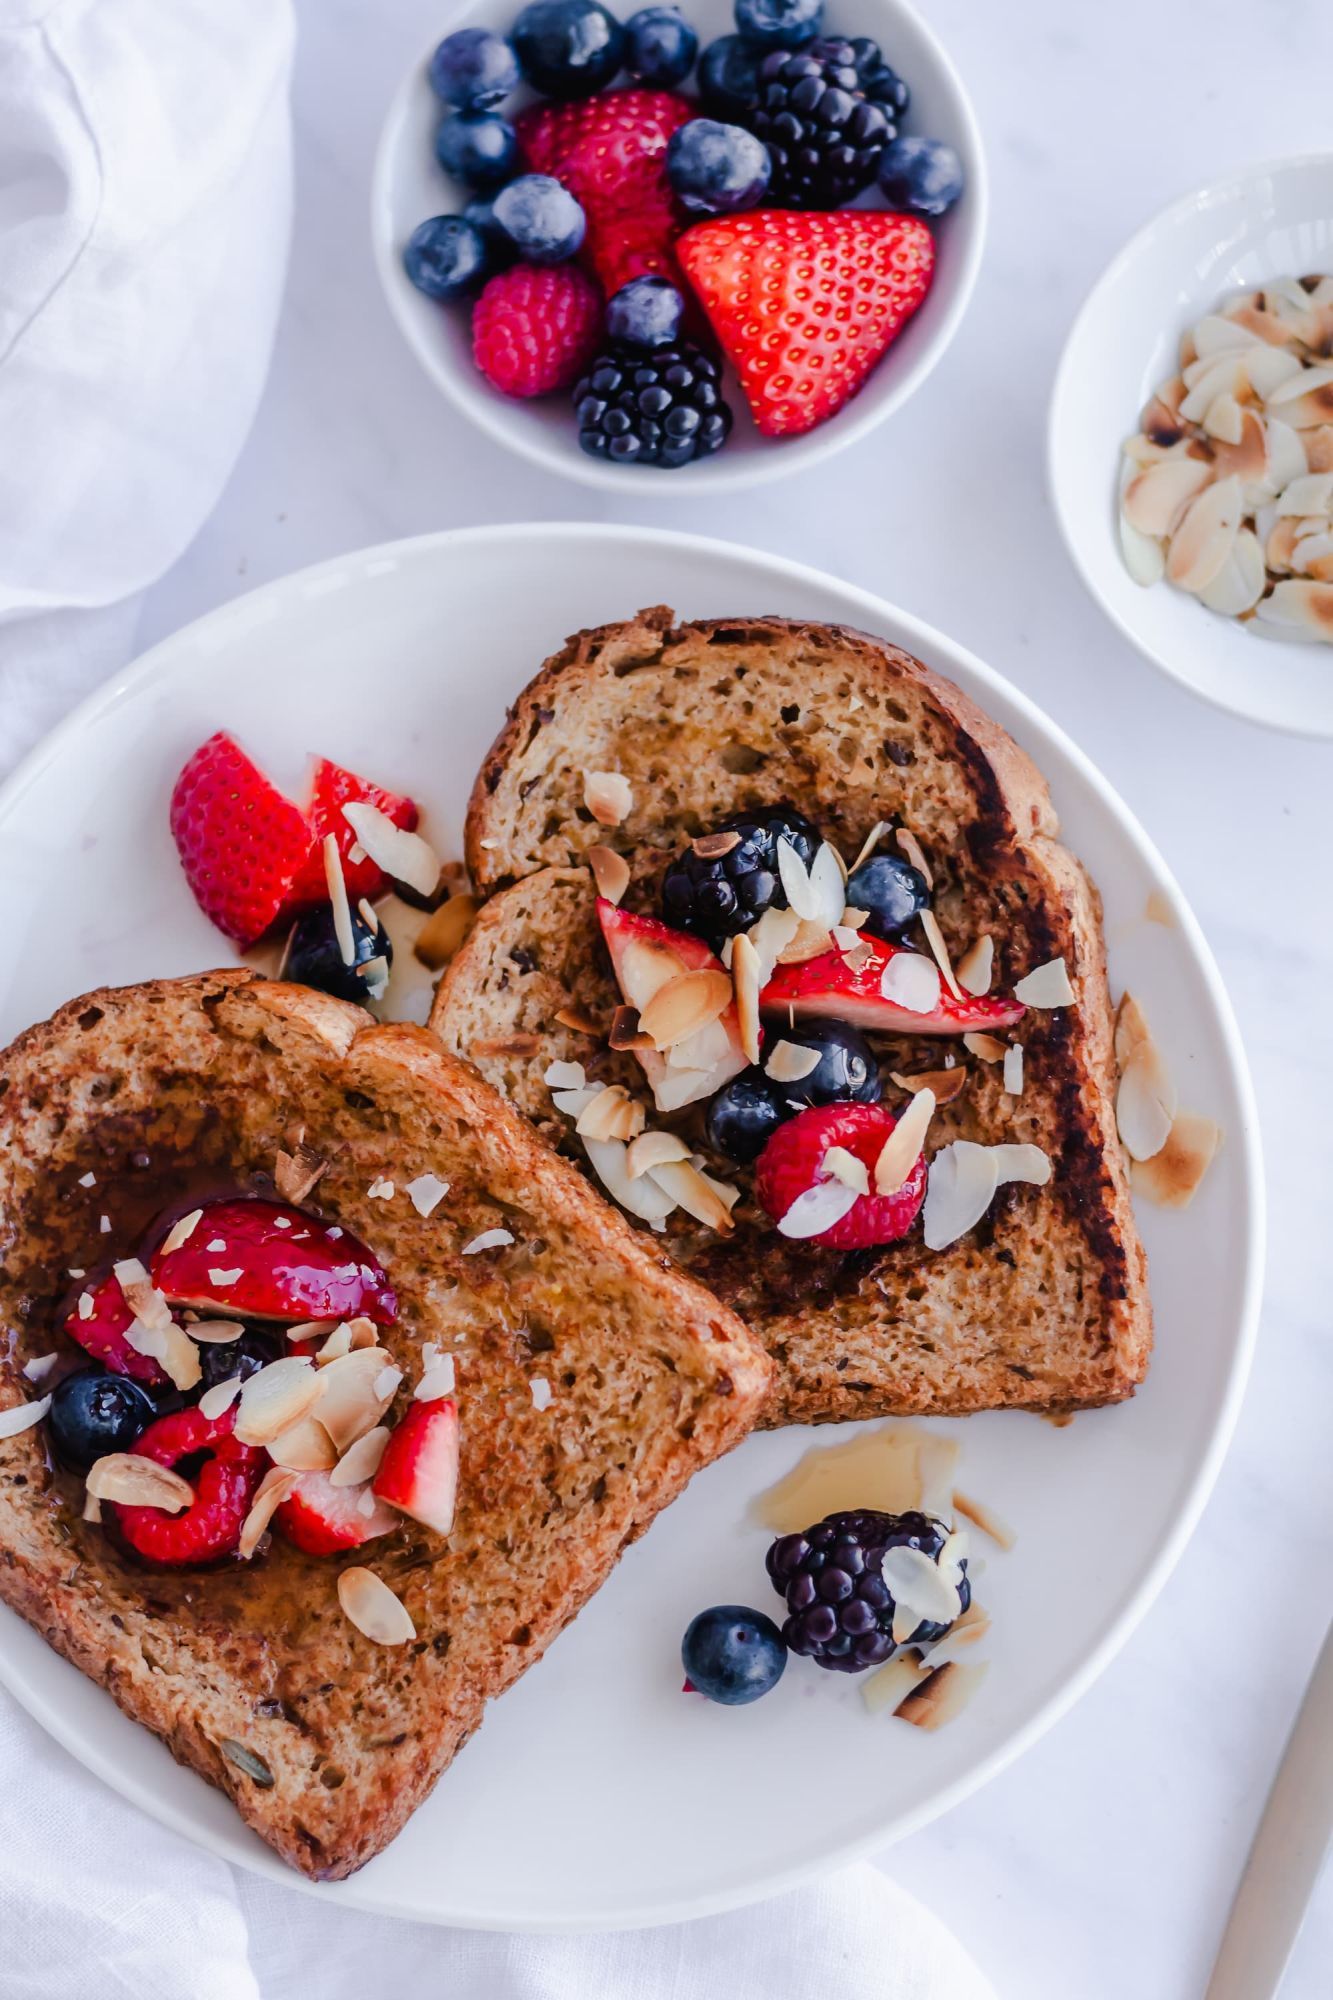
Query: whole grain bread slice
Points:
[1045, 1304]
[250, 1672]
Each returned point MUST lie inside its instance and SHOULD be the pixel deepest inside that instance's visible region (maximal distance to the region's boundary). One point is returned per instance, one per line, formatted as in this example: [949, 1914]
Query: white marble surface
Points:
[1100, 1865]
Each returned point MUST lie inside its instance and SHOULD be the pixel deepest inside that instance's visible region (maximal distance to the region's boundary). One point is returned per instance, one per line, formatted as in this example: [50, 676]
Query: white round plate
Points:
[1261, 222]
[409, 186]
[596, 1793]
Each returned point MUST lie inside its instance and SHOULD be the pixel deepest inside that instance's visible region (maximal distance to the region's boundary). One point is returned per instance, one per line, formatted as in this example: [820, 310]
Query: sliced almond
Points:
[942, 1696]
[215, 1402]
[869, 844]
[985, 1518]
[626, 1032]
[354, 1393]
[20, 1417]
[902, 1148]
[910, 848]
[403, 856]
[1299, 608]
[275, 1398]
[1024, 1162]
[132, 1480]
[847, 1168]
[170, 1347]
[890, 1685]
[612, 1114]
[181, 1232]
[305, 1447]
[695, 1192]
[1013, 1070]
[911, 981]
[425, 1193]
[976, 967]
[520, 1045]
[960, 1188]
[643, 1197]
[374, 1609]
[141, 1295]
[297, 1174]
[1046, 986]
[986, 1048]
[1131, 1028]
[686, 1003]
[338, 903]
[1203, 540]
[1156, 498]
[444, 931]
[817, 1209]
[1172, 1176]
[940, 950]
[809, 941]
[946, 1084]
[216, 1332]
[712, 846]
[608, 797]
[789, 1062]
[746, 978]
[361, 1461]
[654, 1149]
[273, 1489]
[610, 872]
[579, 1019]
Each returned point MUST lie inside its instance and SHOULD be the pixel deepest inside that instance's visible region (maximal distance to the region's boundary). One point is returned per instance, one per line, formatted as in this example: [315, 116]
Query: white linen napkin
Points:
[144, 216]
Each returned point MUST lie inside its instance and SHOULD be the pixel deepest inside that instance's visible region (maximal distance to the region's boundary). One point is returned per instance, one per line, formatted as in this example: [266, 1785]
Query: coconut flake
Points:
[39, 1367]
[654, 1149]
[920, 1586]
[338, 903]
[976, 967]
[789, 1062]
[1021, 1163]
[910, 849]
[565, 1076]
[181, 1232]
[912, 982]
[847, 1168]
[1013, 1070]
[541, 1392]
[643, 1197]
[818, 1209]
[403, 856]
[22, 1416]
[426, 1193]
[960, 1188]
[489, 1239]
[1046, 986]
[381, 1190]
[1145, 1103]
[707, 1200]
[1172, 1177]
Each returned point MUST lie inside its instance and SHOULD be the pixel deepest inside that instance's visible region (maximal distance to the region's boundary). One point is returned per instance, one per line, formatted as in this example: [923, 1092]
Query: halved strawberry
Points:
[241, 843]
[419, 1471]
[805, 305]
[265, 1260]
[324, 1519]
[828, 985]
[100, 1328]
[609, 151]
[332, 788]
[645, 954]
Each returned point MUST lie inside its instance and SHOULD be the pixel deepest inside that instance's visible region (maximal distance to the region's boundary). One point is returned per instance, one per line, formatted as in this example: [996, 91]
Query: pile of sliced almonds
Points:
[650, 1173]
[1171, 1149]
[1227, 490]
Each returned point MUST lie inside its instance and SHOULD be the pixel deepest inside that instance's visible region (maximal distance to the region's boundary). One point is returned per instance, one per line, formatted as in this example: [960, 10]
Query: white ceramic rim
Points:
[935, 647]
[713, 475]
[1225, 183]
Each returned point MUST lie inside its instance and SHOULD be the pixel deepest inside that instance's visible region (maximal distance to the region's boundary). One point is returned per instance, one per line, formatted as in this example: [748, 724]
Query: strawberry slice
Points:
[241, 843]
[645, 954]
[265, 1260]
[794, 1164]
[419, 1471]
[333, 788]
[609, 151]
[100, 1328]
[856, 993]
[805, 305]
[324, 1519]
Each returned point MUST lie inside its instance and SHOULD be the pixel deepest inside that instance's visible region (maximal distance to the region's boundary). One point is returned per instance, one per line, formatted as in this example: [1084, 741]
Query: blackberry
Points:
[840, 1609]
[826, 113]
[659, 408]
[717, 896]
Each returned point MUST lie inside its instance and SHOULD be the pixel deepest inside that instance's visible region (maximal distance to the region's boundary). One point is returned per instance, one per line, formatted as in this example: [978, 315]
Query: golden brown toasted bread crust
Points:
[183, 1087]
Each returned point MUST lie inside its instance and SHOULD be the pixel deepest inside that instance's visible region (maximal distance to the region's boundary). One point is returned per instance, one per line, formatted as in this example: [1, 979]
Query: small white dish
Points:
[1261, 222]
[409, 186]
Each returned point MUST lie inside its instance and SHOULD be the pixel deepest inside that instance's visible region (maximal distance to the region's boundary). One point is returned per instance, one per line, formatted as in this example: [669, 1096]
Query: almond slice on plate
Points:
[374, 1609]
[1171, 1177]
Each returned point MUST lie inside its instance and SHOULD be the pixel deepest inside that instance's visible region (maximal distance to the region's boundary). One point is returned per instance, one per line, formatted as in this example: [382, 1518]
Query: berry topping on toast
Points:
[265, 1260]
[682, 993]
[324, 1519]
[98, 1322]
[224, 1474]
[887, 988]
[418, 1474]
[816, 1178]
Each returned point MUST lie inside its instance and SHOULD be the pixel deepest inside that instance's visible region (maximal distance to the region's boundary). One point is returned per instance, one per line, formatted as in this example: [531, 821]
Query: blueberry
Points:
[473, 69]
[779, 24]
[660, 47]
[846, 1072]
[715, 169]
[745, 1114]
[446, 257]
[480, 212]
[568, 48]
[541, 219]
[315, 957]
[892, 891]
[645, 313]
[93, 1413]
[477, 147]
[923, 176]
[221, 1360]
[729, 76]
[733, 1655]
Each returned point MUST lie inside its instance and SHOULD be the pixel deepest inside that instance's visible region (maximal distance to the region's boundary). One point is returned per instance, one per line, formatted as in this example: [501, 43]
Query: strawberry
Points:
[100, 1329]
[640, 244]
[805, 305]
[331, 789]
[419, 1471]
[241, 843]
[609, 151]
[829, 986]
[264, 1260]
[324, 1519]
[645, 955]
[793, 1164]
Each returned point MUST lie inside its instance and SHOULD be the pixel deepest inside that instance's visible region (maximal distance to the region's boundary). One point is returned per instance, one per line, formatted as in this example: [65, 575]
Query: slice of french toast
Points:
[592, 1379]
[1044, 1304]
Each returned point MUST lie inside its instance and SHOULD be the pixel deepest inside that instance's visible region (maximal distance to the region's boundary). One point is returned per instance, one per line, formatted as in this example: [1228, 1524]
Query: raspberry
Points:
[840, 1606]
[225, 1483]
[792, 1162]
[535, 328]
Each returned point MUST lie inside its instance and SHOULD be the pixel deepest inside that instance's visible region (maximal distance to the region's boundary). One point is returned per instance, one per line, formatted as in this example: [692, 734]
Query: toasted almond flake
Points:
[355, 1391]
[828, 886]
[712, 846]
[487, 1047]
[361, 1461]
[790, 1061]
[132, 1480]
[642, 1197]
[610, 872]
[39, 1367]
[847, 1168]
[304, 1447]
[341, 908]
[869, 844]
[1046, 986]
[697, 1193]
[1013, 1070]
[76, 1271]
[945, 1083]
[795, 878]
[295, 1176]
[579, 1020]
[911, 850]
[444, 930]
[1300, 609]
[853, 920]
[403, 856]
[273, 1489]
[425, 1193]
[312, 1329]
[1206, 535]
[686, 1003]
[215, 1402]
[976, 967]
[611, 1114]
[940, 950]
[92, 1507]
[1172, 1177]
[21, 1417]
[377, 1613]
[574, 1102]
[771, 935]
[746, 975]
[489, 1239]
[964, 1633]
[381, 1190]
[1145, 555]
[902, 1149]
[911, 981]
[214, 1332]
[625, 1030]
[140, 1294]
[942, 1696]
[181, 1232]
[921, 1585]
[807, 942]
[276, 1397]
[170, 1347]
[565, 1076]
[986, 1048]
[818, 1209]
[608, 797]
[338, 1343]
[654, 1149]
[1146, 1102]
[1156, 498]
[985, 1518]
[960, 1188]
[890, 1685]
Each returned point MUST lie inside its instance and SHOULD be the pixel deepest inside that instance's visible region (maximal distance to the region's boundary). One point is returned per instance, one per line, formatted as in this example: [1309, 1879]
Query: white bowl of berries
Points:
[721, 242]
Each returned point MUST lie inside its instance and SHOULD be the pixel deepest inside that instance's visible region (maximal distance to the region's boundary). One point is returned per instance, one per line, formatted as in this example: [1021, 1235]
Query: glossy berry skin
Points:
[92, 1414]
[729, 76]
[662, 408]
[314, 957]
[877, 80]
[824, 134]
[660, 46]
[446, 257]
[477, 147]
[568, 48]
[473, 69]
[274, 1262]
[242, 845]
[225, 1475]
[535, 328]
[715, 898]
[847, 1072]
[541, 219]
[892, 891]
[645, 313]
[331, 789]
[745, 1114]
[221, 1361]
[500, 252]
[323, 1519]
[101, 1332]
[778, 24]
[732, 1654]
[923, 176]
[715, 169]
[839, 1606]
[793, 1161]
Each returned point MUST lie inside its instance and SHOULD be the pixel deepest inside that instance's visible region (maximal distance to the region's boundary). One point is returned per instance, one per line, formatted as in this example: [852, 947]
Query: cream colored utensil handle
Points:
[1287, 1855]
